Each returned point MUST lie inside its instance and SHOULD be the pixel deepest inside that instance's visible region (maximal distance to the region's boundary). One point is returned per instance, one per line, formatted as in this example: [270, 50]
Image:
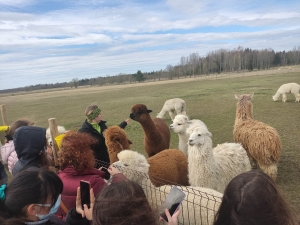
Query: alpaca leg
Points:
[271, 170]
[284, 97]
[172, 114]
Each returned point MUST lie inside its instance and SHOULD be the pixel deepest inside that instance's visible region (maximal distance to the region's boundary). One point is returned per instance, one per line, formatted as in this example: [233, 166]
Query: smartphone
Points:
[173, 201]
[85, 187]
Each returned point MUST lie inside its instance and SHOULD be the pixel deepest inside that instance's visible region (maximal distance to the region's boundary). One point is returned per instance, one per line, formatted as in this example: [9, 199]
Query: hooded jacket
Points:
[29, 144]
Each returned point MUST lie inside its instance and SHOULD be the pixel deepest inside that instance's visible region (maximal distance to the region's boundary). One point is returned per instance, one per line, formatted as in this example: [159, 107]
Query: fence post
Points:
[53, 135]
[3, 114]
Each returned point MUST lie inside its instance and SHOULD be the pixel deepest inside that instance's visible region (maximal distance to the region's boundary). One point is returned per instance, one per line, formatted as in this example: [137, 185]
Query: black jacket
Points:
[29, 142]
[99, 149]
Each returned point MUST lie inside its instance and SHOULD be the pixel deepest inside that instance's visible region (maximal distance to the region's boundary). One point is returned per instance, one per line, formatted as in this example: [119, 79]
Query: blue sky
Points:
[49, 41]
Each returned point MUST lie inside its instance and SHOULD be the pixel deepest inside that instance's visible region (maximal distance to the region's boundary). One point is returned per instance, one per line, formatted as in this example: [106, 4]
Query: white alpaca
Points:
[214, 168]
[180, 124]
[285, 89]
[61, 130]
[199, 206]
[171, 106]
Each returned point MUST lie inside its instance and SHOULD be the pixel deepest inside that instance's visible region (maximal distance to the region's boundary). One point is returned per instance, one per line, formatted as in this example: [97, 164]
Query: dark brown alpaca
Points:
[157, 132]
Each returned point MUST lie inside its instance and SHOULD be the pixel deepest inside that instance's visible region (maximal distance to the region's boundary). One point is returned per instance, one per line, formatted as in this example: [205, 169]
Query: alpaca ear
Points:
[209, 134]
[149, 111]
[129, 142]
[237, 97]
[251, 96]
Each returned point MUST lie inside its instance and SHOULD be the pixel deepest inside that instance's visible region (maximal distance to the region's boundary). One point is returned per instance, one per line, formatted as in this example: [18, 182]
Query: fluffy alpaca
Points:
[169, 166]
[157, 132]
[116, 141]
[214, 168]
[180, 124]
[199, 206]
[171, 106]
[261, 141]
[286, 89]
[61, 130]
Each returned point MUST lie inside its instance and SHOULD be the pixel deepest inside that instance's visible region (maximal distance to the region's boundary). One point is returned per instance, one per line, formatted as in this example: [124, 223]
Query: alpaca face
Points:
[179, 122]
[137, 112]
[273, 97]
[198, 136]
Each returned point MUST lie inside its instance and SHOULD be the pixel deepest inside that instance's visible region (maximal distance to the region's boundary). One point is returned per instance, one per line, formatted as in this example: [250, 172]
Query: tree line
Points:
[214, 62]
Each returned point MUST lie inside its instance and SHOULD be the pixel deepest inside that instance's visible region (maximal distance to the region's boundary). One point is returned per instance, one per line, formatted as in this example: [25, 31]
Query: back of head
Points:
[123, 203]
[19, 123]
[29, 187]
[253, 198]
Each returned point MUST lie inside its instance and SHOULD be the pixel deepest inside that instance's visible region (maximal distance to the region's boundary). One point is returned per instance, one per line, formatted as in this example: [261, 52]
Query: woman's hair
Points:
[29, 187]
[19, 123]
[90, 109]
[123, 203]
[75, 150]
[253, 198]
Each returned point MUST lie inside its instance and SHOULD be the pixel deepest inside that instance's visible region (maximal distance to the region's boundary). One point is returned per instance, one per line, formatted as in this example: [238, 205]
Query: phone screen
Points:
[173, 200]
[85, 193]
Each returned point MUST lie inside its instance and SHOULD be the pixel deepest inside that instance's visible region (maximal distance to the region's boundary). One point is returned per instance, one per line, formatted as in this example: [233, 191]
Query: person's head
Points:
[123, 203]
[93, 114]
[16, 124]
[30, 196]
[253, 198]
[75, 151]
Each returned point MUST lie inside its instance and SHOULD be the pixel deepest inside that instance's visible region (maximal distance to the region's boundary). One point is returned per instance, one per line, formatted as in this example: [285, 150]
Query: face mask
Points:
[53, 210]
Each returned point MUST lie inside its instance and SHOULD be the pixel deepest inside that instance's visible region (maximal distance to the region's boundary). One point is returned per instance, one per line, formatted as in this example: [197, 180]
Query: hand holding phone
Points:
[85, 193]
[173, 201]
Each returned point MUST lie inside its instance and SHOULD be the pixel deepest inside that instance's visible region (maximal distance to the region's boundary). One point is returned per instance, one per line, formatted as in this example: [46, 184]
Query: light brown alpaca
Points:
[261, 141]
[116, 141]
[157, 132]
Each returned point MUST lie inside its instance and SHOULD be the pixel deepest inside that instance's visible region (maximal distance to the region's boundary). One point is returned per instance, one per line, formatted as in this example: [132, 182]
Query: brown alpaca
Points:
[157, 132]
[261, 141]
[116, 141]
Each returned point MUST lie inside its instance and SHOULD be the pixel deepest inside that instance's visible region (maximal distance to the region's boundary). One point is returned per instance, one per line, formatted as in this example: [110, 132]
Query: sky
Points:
[50, 41]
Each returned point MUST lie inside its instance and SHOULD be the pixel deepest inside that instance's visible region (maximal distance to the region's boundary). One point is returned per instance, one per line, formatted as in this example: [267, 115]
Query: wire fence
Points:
[198, 208]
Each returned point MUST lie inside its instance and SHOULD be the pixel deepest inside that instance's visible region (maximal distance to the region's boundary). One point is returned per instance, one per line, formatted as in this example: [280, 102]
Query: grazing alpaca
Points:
[261, 141]
[116, 141]
[214, 168]
[199, 206]
[169, 166]
[157, 133]
[286, 89]
[180, 124]
[173, 105]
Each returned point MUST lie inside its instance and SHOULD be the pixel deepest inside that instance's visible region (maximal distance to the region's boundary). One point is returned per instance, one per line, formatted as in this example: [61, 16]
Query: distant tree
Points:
[138, 76]
[74, 83]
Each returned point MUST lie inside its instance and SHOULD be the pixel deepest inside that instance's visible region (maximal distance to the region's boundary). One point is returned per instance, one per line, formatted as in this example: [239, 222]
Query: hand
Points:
[85, 212]
[78, 203]
[113, 170]
[172, 220]
[49, 151]
[127, 121]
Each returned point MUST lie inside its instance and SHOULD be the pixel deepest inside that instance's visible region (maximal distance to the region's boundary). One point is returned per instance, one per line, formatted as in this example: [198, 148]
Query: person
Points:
[9, 155]
[95, 126]
[76, 161]
[3, 175]
[252, 198]
[30, 143]
[119, 203]
[31, 197]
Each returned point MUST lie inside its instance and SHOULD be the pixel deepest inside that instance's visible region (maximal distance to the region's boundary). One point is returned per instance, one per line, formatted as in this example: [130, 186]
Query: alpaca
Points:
[214, 168]
[261, 141]
[169, 166]
[116, 141]
[171, 106]
[157, 132]
[199, 206]
[179, 126]
[61, 130]
[286, 89]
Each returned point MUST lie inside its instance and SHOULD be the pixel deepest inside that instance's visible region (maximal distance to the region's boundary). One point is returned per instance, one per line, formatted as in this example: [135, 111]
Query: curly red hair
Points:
[75, 150]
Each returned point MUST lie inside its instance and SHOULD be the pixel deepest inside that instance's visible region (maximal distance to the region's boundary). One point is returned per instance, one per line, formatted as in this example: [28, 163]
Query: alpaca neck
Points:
[276, 96]
[150, 128]
[243, 112]
[162, 113]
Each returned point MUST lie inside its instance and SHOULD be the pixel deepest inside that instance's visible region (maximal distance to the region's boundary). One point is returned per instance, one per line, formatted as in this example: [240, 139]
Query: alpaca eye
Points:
[125, 165]
[199, 135]
[179, 124]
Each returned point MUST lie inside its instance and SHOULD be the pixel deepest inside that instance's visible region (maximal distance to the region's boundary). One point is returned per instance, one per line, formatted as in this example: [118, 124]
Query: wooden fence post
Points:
[3, 114]
[53, 135]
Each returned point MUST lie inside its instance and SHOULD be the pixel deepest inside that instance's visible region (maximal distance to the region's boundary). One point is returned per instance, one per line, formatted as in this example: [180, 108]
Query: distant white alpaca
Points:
[284, 89]
[180, 124]
[199, 206]
[214, 168]
[61, 130]
[171, 106]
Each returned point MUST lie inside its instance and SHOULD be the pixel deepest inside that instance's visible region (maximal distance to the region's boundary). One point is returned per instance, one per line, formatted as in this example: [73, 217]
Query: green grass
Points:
[212, 101]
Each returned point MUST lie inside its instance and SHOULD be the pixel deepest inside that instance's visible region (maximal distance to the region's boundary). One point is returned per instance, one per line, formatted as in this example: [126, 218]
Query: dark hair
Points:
[253, 198]
[18, 123]
[123, 203]
[29, 187]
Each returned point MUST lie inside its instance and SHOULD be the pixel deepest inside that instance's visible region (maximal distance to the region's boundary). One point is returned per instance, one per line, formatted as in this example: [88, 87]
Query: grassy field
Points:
[211, 100]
